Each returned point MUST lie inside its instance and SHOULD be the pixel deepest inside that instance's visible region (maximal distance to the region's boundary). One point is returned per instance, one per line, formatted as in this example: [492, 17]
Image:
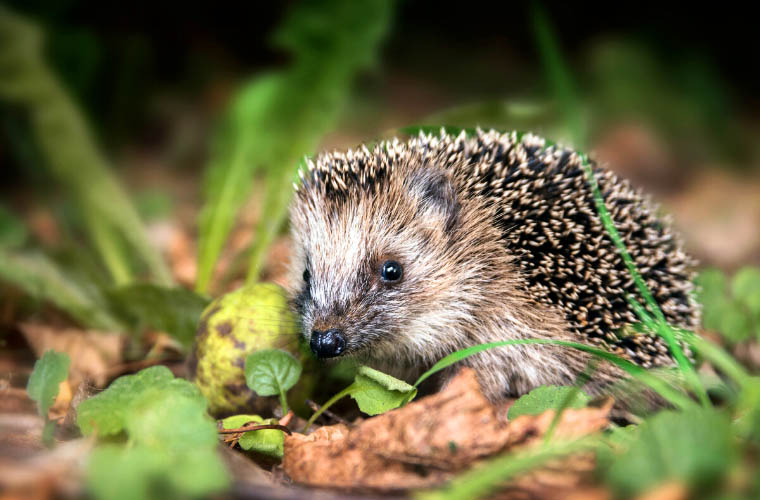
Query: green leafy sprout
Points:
[43, 386]
[272, 372]
[157, 439]
[375, 392]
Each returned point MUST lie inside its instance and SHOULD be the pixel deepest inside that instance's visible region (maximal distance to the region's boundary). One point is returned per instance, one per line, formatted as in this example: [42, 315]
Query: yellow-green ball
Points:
[231, 327]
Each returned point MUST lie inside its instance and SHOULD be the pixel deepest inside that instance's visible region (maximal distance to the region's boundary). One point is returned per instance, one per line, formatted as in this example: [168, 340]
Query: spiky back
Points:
[549, 223]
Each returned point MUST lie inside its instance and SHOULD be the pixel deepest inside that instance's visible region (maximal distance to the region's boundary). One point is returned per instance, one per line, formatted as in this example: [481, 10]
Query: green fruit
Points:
[233, 326]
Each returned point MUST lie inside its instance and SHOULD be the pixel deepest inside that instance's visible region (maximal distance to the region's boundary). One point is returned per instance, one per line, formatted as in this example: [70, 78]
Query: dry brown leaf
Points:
[92, 352]
[565, 479]
[667, 491]
[425, 442]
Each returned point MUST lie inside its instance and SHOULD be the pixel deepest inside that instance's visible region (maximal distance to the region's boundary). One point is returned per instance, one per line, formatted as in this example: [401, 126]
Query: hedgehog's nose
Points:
[327, 344]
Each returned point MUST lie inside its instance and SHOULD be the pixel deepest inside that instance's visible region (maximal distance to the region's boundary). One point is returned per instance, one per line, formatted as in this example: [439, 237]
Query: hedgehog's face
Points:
[367, 266]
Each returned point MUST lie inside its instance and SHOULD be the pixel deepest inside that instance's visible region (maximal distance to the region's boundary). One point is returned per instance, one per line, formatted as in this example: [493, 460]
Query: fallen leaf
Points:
[423, 443]
[92, 352]
[667, 491]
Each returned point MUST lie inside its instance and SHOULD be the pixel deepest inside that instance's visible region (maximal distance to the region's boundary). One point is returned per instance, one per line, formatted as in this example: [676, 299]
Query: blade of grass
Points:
[557, 73]
[107, 242]
[561, 82]
[237, 154]
[660, 386]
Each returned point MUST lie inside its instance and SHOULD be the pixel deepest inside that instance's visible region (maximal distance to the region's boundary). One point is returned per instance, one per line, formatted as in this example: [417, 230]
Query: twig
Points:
[256, 427]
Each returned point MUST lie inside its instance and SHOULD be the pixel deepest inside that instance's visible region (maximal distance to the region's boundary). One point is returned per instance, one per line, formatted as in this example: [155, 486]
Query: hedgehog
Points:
[415, 249]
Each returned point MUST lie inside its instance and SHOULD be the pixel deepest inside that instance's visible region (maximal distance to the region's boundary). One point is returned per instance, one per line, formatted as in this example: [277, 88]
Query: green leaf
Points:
[665, 450]
[175, 311]
[748, 410]
[119, 473]
[145, 473]
[237, 421]
[49, 371]
[270, 372]
[376, 392]
[270, 442]
[172, 454]
[172, 442]
[711, 285]
[548, 397]
[108, 413]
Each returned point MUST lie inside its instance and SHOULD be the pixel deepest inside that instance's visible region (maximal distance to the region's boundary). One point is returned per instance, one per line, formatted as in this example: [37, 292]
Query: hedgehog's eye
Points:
[391, 271]
[306, 276]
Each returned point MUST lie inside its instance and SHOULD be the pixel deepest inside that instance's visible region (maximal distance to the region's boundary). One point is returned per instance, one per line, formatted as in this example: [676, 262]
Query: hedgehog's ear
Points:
[435, 195]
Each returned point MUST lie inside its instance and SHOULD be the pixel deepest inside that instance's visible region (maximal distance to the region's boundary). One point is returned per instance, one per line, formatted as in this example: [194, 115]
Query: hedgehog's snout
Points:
[327, 343]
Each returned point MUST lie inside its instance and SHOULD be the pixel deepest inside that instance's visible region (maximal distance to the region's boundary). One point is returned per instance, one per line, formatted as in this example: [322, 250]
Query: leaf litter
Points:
[426, 442]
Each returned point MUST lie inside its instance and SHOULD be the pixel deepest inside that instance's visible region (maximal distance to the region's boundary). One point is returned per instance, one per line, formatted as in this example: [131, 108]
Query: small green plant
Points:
[157, 440]
[268, 442]
[272, 372]
[375, 392]
[43, 386]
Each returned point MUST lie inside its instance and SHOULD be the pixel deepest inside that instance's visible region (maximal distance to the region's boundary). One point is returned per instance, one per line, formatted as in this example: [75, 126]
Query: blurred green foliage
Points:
[70, 152]
[174, 310]
[731, 306]
[170, 446]
[664, 448]
[684, 100]
[279, 117]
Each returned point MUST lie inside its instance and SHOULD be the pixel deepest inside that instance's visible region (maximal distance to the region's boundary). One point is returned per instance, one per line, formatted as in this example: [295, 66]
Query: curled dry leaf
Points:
[93, 353]
[425, 442]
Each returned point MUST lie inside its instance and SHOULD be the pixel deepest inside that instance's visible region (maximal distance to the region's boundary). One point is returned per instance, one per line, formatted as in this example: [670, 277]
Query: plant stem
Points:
[283, 403]
[345, 392]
